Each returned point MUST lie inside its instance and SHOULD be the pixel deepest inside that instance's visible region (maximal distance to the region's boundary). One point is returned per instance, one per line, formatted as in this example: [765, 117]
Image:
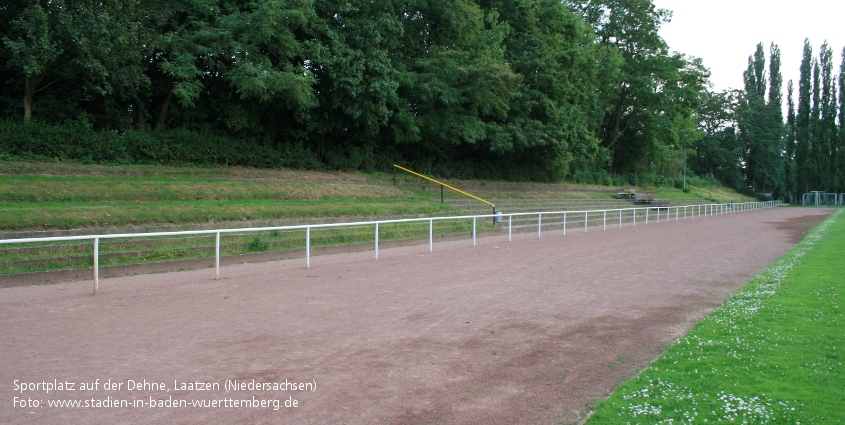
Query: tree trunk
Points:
[27, 99]
[162, 115]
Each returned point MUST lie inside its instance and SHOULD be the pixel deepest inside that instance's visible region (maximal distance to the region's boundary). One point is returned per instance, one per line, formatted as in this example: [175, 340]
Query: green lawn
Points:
[68, 215]
[772, 354]
[65, 201]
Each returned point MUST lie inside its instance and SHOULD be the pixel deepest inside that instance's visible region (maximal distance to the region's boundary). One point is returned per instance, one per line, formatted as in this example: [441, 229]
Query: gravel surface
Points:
[531, 331]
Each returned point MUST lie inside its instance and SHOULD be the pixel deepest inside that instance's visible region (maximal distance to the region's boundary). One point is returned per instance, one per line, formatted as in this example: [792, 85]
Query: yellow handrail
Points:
[445, 185]
[711, 193]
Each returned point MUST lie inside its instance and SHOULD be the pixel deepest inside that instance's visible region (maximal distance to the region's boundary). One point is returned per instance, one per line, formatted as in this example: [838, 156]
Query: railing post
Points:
[634, 216]
[376, 241]
[604, 221]
[473, 231]
[96, 266]
[677, 210]
[646, 216]
[431, 235]
[620, 218]
[539, 225]
[441, 194]
[217, 256]
[564, 223]
[510, 226]
[307, 247]
[586, 219]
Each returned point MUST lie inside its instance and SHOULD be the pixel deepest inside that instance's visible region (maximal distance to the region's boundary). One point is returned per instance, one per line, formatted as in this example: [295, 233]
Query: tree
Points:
[789, 157]
[840, 148]
[815, 130]
[657, 93]
[356, 82]
[773, 162]
[551, 120]
[827, 132]
[761, 123]
[455, 86]
[802, 122]
[718, 152]
[78, 50]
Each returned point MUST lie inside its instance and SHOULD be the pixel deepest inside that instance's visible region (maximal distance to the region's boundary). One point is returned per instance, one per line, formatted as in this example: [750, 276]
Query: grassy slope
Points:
[83, 196]
[772, 353]
[63, 196]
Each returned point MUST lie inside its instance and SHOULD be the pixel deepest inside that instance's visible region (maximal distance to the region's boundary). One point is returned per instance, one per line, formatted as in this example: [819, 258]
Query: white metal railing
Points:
[701, 210]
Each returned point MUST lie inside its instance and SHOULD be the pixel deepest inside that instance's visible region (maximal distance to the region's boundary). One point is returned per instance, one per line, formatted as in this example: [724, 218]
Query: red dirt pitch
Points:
[525, 332]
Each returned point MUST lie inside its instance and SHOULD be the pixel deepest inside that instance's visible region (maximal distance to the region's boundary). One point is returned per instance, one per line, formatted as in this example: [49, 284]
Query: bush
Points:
[76, 141]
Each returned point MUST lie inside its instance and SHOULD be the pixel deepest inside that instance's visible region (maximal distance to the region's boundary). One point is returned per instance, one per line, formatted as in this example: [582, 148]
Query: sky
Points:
[723, 33]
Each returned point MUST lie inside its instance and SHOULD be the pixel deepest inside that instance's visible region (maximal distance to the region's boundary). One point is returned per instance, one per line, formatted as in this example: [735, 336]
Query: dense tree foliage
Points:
[718, 152]
[514, 89]
[521, 89]
[761, 123]
[649, 110]
[744, 133]
[817, 155]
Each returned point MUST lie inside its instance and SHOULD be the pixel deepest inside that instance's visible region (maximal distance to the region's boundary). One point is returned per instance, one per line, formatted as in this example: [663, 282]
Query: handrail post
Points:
[564, 223]
[217, 256]
[96, 266]
[473, 231]
[376, 241]
[308, 247]
[586, 219]
[510, 226]
[539, 224]
[604, 221]
[431, 235]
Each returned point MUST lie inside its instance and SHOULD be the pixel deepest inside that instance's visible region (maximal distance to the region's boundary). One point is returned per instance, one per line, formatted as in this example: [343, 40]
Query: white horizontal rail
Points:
[694, 210]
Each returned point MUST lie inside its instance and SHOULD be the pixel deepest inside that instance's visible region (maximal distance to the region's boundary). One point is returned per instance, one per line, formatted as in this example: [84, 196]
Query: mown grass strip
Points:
[773, 353]
[68, 215]
[98, 188]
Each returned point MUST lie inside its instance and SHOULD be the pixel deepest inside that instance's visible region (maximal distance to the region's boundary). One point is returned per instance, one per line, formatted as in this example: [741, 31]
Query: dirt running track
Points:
[527, 332]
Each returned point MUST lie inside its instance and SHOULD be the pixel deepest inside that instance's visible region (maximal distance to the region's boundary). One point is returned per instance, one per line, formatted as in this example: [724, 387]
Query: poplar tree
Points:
[802, 122]
[840, 149]
[827, 119]
[774, 151]
[789, 158]
[815, 121]
[761, 123]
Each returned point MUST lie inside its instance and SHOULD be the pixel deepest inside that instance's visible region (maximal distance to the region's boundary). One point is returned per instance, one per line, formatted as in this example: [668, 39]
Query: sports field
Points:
[529, 331]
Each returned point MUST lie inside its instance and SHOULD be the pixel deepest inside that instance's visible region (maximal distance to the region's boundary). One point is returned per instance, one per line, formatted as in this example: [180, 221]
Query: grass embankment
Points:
[773, 353]
[63, 202]
[38, 196]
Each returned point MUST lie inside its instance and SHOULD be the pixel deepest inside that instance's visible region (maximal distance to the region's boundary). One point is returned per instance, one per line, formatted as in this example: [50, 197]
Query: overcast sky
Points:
[725, 32]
